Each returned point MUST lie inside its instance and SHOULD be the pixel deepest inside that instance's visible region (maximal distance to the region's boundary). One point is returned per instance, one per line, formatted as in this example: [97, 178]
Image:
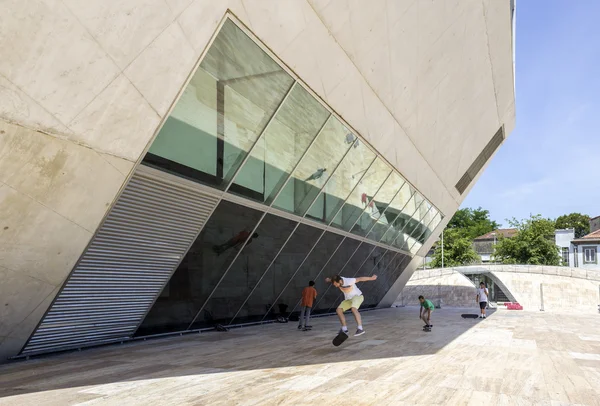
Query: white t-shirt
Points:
[482, 296]
[349, 288]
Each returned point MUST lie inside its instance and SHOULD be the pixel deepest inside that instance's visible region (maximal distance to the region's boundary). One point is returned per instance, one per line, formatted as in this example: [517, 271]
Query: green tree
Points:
[533, 244]
[472, 223]
[458, 250]
[580, 222]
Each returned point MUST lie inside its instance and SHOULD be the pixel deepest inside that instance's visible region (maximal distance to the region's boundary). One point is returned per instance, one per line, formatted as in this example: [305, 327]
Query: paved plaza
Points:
[510, 358]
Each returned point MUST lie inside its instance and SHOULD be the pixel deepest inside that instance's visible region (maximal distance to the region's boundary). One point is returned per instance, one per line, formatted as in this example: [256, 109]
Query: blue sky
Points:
[550, 164]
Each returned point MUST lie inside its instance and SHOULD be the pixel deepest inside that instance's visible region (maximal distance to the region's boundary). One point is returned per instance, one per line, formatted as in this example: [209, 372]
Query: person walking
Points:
[482, 299]
[309, 294]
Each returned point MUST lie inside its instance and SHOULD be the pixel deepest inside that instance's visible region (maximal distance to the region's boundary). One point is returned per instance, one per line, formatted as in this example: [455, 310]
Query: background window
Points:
[589, 255]
[565, 256]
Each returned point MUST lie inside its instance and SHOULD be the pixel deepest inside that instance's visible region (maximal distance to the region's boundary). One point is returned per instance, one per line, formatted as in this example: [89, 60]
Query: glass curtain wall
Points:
[315, 195]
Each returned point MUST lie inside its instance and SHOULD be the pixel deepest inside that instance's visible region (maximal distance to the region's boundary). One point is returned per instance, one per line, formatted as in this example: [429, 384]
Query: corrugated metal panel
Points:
[126, 265]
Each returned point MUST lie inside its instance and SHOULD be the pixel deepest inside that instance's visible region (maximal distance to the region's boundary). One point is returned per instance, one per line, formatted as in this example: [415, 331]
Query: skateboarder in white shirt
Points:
[482, 298]
[353, 298]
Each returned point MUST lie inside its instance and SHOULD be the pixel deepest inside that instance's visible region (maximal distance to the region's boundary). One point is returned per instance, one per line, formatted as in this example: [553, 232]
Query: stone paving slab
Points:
[510, 358]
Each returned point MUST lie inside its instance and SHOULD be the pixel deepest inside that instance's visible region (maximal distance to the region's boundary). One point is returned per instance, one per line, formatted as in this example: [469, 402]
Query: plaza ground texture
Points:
[510, 358]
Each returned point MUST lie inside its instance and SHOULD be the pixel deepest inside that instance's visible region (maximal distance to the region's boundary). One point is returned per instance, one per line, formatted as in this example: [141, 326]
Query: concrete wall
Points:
[564, 289]
[443, 287]
[84, 86]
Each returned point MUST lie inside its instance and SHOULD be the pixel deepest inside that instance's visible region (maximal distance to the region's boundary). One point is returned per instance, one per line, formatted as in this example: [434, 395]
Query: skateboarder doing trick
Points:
[353, 298]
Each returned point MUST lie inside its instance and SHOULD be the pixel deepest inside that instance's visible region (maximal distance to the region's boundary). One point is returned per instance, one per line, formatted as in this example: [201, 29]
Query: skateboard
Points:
[469, 316]
[339, 339]
[428, 329]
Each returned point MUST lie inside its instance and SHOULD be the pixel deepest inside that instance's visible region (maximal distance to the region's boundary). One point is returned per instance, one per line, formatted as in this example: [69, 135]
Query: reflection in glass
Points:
[420, 239]
[286, 138]
[222, 111]
[247, 270]
[432, 226]
[388, 277]
[344, 179]
[310, 269]
[380, 269]
[361, 198]
[397, 207]
[223, 236]
[407, 222]
[378, 219]
[314, 170]
[265, 298]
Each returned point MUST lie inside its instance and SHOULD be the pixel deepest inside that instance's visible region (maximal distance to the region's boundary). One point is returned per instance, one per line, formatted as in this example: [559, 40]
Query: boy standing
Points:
[353, 298]
[309, 294]
[482, 298]
[425, 311]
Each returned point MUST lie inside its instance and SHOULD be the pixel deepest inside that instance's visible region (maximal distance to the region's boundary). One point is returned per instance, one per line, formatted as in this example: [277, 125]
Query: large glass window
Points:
[310, 269]
[246, 272]
[281, 146]
[342, 182]
[314, 170]
[395, 210]
[382, 202]
[245, 124]
[407, 222]
[396, 263]
[222, 111]
[266, 297]
[224, 235]
[361, 197]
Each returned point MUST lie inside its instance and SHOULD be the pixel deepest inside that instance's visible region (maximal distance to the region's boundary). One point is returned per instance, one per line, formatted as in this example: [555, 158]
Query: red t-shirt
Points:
[309, 294]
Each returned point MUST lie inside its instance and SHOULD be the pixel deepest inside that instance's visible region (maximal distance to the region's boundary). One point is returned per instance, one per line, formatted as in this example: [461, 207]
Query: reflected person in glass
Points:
[235, 241]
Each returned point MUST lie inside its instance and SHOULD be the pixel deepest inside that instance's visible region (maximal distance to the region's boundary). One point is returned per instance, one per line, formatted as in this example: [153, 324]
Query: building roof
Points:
[593, 236]
[594, 218]
[505, 232]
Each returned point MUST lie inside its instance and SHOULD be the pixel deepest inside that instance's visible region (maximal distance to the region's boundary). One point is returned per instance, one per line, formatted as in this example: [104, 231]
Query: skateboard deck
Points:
[469, 316]
[427, 329]
[339, 339]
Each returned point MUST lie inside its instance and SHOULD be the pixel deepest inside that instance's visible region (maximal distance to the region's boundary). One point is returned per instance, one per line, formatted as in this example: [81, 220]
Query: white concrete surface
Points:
[564, 290]
[510, 358]
[446, 288]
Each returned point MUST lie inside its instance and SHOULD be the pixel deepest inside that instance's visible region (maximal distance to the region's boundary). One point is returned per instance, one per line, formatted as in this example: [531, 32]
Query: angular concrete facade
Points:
[85, 86]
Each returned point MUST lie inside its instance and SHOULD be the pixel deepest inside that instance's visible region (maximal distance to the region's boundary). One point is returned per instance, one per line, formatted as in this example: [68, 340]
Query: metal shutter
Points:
[127, 263]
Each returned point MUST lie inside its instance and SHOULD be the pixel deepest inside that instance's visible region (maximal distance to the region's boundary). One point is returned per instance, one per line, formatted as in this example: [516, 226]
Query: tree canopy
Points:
[472, 223]
[458, 250]
[580, 222]
[533, 244]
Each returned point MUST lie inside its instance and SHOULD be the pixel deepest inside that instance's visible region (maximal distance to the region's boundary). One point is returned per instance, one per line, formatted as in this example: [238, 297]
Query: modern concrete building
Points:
[170, 165]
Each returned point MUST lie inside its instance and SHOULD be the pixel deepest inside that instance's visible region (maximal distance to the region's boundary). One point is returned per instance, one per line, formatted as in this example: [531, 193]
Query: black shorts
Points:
[482, 305]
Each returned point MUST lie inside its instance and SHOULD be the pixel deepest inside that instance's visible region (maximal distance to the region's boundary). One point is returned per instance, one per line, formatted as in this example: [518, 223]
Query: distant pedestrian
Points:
[482, 299]
[309, 294]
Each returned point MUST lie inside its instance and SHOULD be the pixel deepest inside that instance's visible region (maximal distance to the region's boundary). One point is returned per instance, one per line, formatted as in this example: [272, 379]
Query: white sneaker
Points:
[484, 316]
[480, 316]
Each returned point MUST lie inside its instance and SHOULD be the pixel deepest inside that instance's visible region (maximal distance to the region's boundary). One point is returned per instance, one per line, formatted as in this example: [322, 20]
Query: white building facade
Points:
[167, 165]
